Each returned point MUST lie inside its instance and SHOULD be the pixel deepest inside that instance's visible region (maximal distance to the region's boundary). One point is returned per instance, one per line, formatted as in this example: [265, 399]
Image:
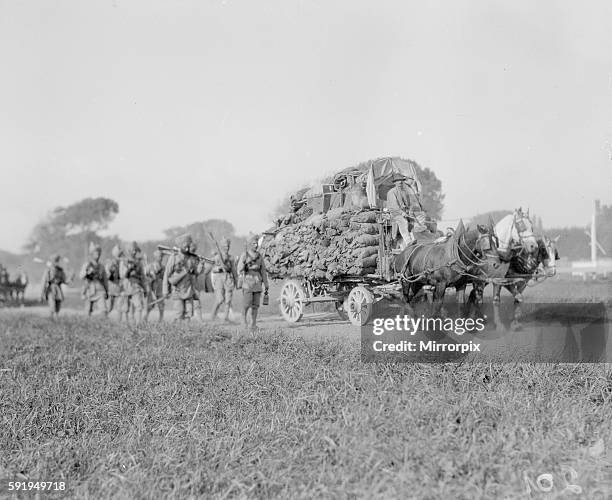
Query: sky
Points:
[183, 111]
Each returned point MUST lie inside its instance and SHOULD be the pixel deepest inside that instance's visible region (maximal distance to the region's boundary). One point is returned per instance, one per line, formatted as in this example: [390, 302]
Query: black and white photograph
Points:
[306, 249]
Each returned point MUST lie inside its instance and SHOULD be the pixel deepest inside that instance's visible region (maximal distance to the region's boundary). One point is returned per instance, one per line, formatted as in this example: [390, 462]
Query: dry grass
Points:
[168, 412]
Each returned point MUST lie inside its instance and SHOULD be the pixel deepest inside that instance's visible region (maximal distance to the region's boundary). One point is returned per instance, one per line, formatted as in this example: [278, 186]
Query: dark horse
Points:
[490, 267]
[523, 267]
[442, 263]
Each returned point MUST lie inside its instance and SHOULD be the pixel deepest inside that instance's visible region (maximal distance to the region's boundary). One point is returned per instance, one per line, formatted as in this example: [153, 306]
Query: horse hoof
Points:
[518, 298]
[496, 300]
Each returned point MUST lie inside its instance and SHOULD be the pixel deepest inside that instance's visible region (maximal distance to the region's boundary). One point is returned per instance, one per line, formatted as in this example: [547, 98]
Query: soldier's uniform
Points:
[198, 286]
[253, 280]
[113, 265]
[132, 273]
[180, 277]
[224, 278]
[405, 206]
[155, 275]
[4, 282]
[53, 279]
[95, 289]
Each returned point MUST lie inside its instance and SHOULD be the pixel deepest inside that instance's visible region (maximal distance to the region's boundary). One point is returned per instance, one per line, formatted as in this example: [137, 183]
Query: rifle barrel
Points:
[168, 249]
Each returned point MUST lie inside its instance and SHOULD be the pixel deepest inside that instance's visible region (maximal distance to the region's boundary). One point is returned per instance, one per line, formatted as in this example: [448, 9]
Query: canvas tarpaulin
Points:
[376, 175]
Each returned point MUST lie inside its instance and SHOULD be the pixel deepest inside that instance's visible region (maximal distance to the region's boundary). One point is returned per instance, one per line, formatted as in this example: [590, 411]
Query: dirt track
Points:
[326, 324]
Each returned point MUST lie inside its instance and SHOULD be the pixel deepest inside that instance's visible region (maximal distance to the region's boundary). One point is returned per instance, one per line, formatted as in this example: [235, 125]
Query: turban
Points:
[94, 247]
[183, 240]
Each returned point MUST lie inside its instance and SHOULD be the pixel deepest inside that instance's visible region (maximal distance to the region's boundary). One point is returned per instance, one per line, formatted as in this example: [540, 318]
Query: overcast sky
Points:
[188, 110]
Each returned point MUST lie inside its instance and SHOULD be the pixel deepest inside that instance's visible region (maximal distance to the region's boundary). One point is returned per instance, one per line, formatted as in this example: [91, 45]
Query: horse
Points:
[515, 233]
[490, 267]
[441, 263]
[18, 287]
[525, 267]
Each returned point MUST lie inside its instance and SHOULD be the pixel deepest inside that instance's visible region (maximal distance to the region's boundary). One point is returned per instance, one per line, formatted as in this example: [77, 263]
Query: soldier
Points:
[404, 204]
[196, 302]
[155, 275]
[132, 273]
[4, 283]
[95, 289]
[180, 277]
[224, 279]
[253, 278]
[53, 279]
[113, 265]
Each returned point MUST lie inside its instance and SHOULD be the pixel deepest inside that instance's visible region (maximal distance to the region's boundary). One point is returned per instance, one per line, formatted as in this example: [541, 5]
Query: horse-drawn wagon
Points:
[353, 295]
[337, 246]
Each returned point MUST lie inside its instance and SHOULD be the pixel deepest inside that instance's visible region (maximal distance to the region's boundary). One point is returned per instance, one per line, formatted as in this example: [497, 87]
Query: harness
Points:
[252, 264]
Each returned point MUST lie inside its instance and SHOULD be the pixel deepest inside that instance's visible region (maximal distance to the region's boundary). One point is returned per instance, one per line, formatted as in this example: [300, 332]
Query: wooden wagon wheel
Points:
[292, 298]
[360, 304]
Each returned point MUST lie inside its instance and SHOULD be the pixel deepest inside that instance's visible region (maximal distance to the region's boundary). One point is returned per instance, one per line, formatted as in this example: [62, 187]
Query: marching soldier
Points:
[253, 279]
[53, 279]
[132, 273]
[155, 275]
[95, 289]
[405, 206]
[113, 265]
[196, 302]
[180, 277]
[224, 278]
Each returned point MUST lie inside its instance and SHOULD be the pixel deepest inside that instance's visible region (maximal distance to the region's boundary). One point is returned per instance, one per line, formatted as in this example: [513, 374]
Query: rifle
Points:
[210, 235]
[176, 250]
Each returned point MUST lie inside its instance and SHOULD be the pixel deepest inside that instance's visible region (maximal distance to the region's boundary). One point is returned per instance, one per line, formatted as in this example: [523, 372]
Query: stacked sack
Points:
[324, 246]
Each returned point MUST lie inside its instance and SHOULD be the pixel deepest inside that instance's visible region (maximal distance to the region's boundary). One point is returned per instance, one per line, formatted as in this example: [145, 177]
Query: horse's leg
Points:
[406, 307]
[462, 307]
[438, 297]
[476, 299]
[496, 293]
[518, 300]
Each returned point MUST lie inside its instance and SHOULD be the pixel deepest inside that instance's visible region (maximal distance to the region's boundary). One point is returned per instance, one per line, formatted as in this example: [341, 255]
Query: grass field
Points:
[165, 411]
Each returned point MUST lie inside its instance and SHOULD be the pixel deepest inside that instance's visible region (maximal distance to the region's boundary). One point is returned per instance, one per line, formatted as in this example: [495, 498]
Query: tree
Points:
[496, 215]
[69, 230]
[431, 192]
[199, 232]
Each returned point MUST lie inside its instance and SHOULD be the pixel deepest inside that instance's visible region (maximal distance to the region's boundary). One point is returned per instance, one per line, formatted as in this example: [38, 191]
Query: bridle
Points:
[522, 231]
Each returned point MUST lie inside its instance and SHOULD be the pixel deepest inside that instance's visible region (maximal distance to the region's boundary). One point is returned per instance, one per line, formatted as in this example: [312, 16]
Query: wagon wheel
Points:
[292, 298]
[341, 308]
[360, 304]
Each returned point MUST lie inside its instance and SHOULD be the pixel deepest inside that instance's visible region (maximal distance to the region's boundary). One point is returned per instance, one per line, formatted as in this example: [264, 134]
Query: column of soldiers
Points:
[133, 288]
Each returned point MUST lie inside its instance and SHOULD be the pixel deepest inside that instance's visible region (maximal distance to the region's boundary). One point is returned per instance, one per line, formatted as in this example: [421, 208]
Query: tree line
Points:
[69, 230]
